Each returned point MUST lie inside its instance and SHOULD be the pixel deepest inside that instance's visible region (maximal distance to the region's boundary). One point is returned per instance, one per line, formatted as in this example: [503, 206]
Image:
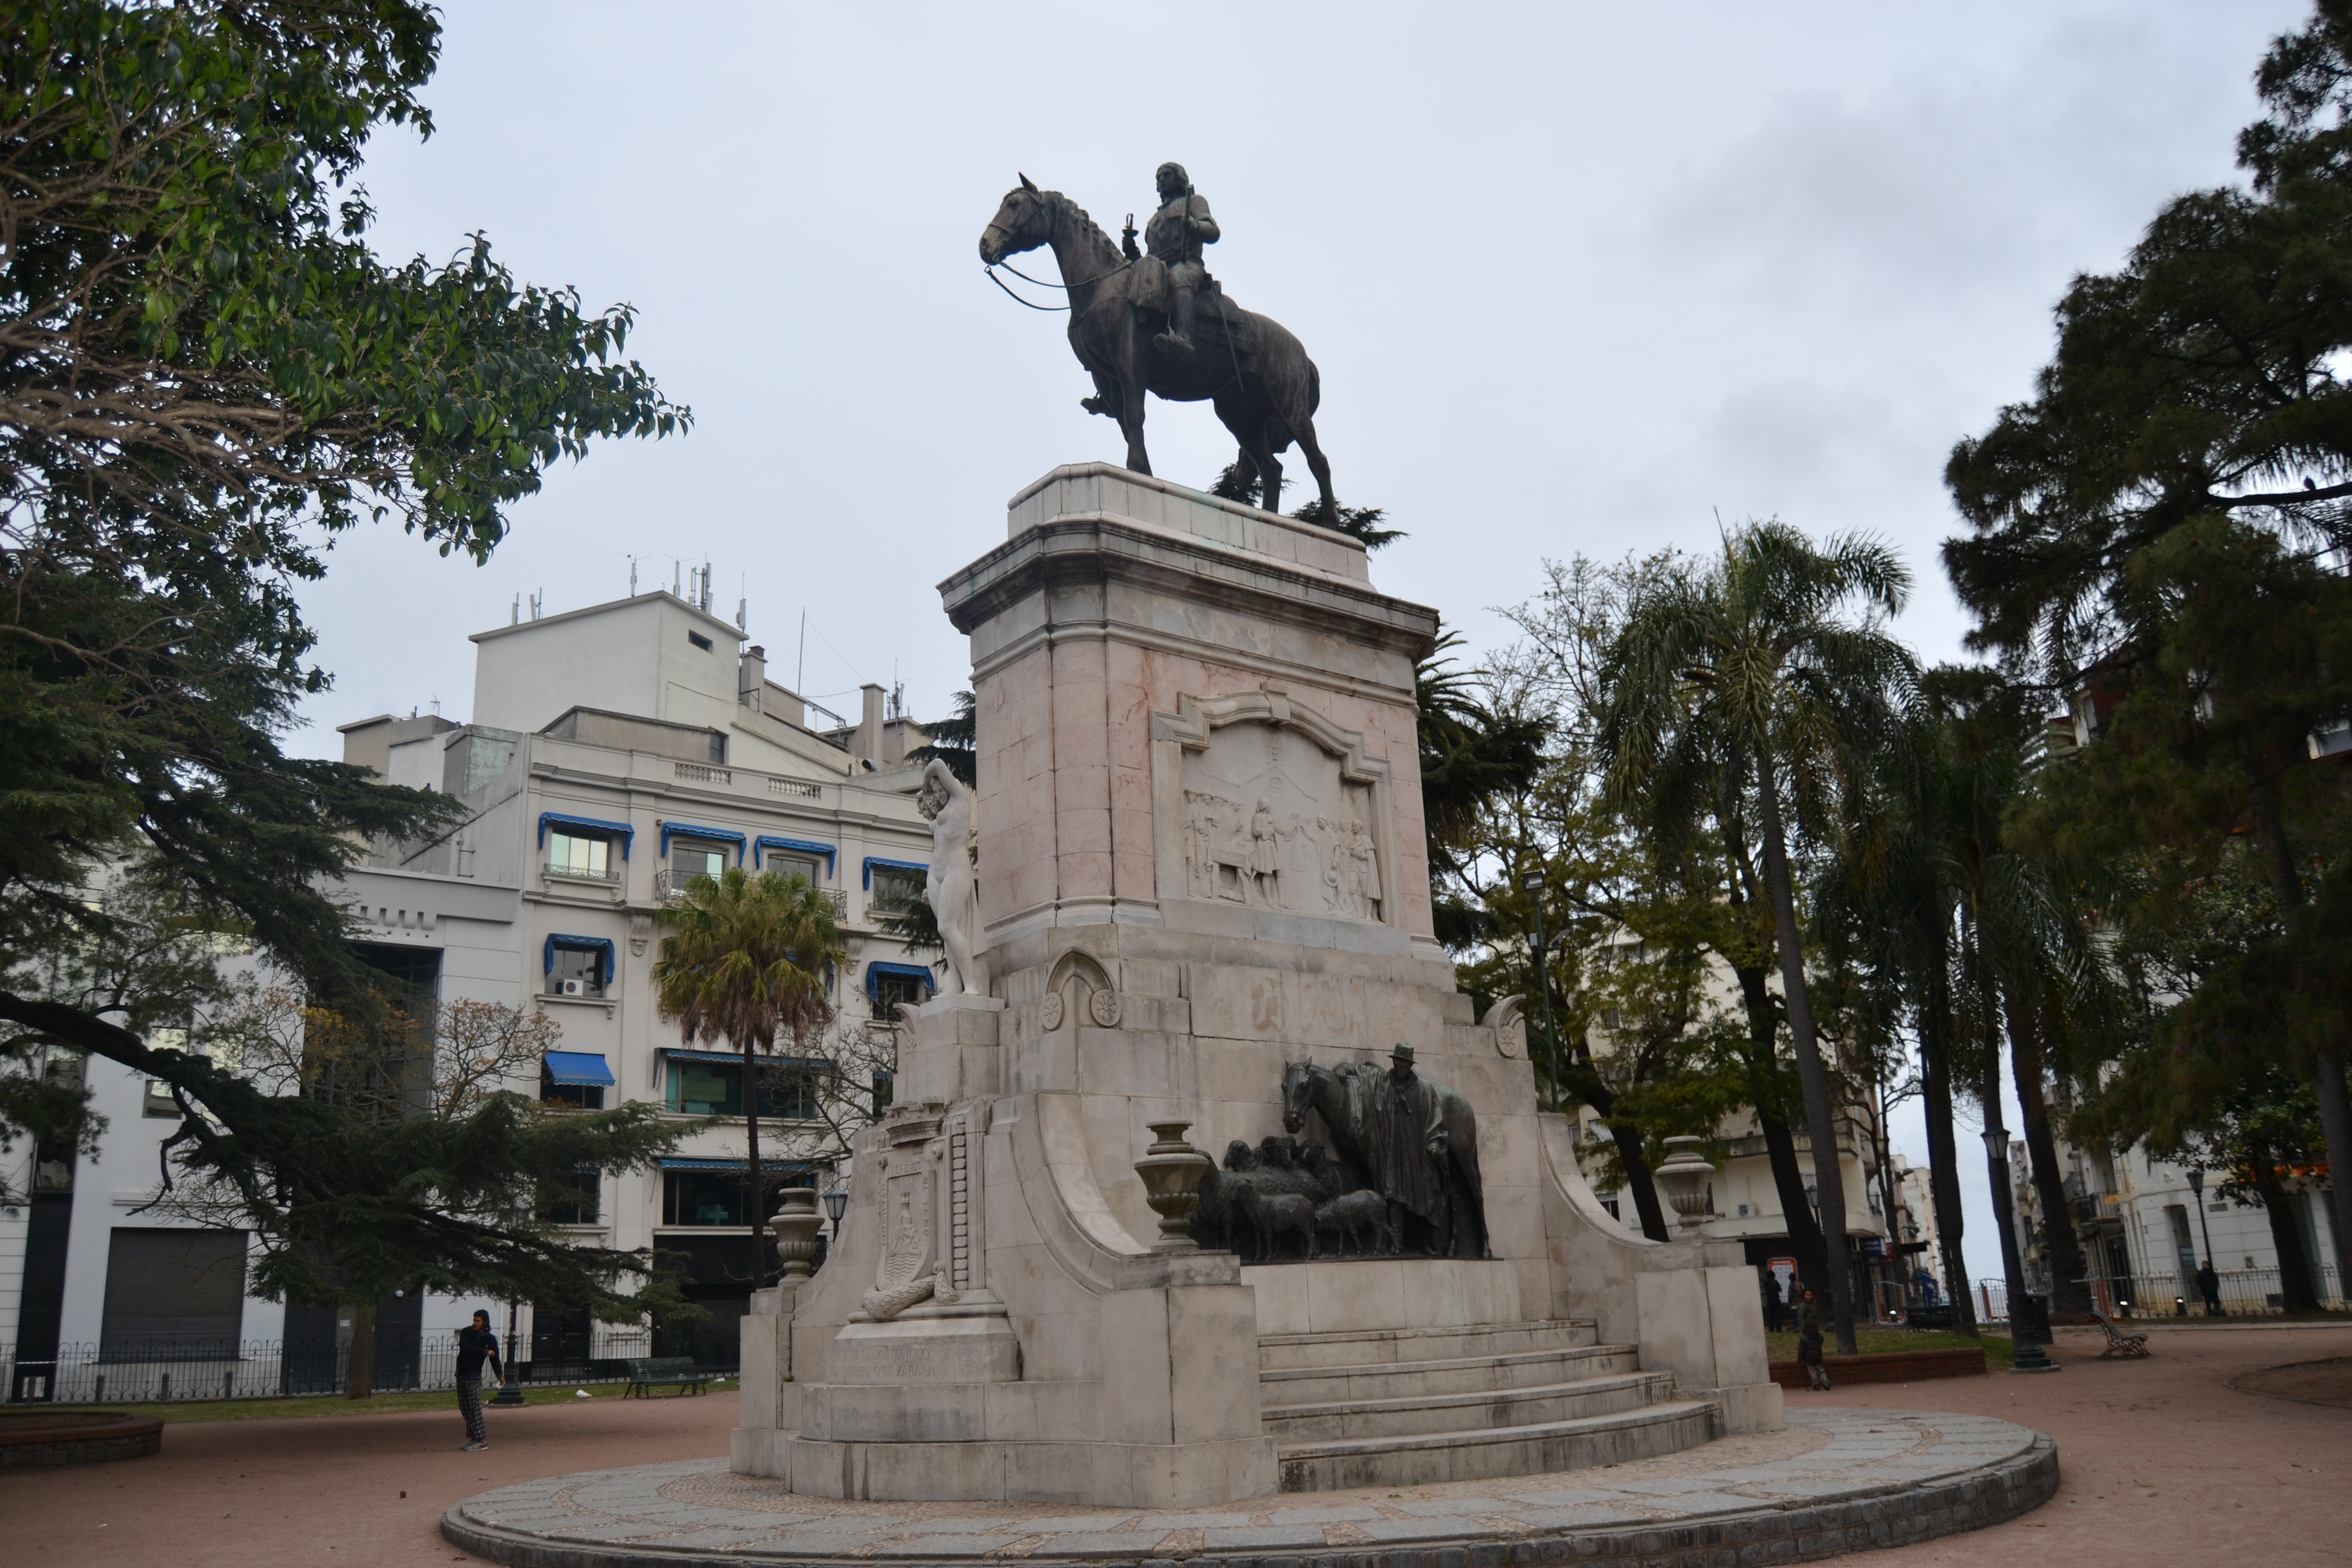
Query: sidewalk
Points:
[2159, 1459]
[327, 1490]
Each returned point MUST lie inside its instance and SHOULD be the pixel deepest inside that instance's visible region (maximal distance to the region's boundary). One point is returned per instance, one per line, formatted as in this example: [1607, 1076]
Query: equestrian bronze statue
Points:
[1155, 320]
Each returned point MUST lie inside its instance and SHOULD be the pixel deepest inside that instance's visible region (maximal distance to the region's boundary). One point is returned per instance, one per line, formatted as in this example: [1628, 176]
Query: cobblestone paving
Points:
[1839, 1478]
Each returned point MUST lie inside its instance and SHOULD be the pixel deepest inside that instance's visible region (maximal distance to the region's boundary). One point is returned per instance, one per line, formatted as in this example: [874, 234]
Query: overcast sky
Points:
[1578, 278]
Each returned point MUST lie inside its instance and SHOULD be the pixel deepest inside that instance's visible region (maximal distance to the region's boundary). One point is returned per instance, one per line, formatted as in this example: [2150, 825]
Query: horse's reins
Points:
[989, 268]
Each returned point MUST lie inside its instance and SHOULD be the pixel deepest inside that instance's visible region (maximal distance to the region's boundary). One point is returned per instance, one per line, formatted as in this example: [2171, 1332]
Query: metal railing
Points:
[668, 885]
[158, 1372]
[2241, 1292]
[611, 873]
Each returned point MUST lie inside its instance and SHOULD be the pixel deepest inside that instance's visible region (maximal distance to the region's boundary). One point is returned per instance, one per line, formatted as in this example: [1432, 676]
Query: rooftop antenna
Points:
[437, 707]
[743, 604]
[516, 619]
[674, 591]
[706, 584]
[799, 666]
[633, 576]
[535, 611]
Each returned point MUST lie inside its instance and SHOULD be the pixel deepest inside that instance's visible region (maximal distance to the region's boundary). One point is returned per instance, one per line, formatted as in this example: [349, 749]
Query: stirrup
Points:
[1173, 343]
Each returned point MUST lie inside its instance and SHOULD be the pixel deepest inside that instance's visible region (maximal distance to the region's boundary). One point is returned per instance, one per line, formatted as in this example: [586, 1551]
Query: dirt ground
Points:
[2163, 1461]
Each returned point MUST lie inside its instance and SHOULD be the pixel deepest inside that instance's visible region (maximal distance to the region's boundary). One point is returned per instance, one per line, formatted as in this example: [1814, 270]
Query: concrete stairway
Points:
[1407, 1406]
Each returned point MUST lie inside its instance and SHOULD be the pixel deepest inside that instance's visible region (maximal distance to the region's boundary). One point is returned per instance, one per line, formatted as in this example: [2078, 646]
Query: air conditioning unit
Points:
[1743, 1211]
[575, 988]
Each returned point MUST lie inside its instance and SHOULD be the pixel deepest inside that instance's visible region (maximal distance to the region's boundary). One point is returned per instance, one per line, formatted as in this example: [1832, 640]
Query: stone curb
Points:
[1795, 1533]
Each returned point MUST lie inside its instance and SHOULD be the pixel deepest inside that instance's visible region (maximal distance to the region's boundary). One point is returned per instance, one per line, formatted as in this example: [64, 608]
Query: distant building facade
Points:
[616, 753]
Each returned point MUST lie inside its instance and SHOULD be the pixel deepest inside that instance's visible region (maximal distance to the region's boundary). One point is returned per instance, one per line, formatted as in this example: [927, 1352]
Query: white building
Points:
[616, 753]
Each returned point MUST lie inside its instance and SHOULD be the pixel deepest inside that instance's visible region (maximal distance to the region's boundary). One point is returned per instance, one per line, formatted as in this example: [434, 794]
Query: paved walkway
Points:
[1786, 1489]
[2164, 1461]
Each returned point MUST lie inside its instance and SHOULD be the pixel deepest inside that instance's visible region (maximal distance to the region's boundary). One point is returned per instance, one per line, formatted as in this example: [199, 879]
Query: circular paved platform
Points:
[1838, 1480]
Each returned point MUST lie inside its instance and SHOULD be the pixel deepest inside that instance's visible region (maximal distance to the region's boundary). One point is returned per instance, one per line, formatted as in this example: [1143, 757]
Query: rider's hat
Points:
[1402, 1054]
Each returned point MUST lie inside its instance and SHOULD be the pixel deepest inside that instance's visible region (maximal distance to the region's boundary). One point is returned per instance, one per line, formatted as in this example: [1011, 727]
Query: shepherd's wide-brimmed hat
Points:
[1403, 1053]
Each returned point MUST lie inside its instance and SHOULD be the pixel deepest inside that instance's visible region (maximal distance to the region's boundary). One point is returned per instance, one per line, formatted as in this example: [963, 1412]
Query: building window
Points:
[578, 965]
[692, 857]
[172, 1293]
[896, 889]
[580, 855]
[700, 1087]
[575, 1078]
[699, 640]
[702, 1197]
[799, 865]
[574, 1202]
[889, 990]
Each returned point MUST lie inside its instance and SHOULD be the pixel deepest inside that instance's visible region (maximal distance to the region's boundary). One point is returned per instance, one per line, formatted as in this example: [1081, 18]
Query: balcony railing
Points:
[582, 874]
[702, 773]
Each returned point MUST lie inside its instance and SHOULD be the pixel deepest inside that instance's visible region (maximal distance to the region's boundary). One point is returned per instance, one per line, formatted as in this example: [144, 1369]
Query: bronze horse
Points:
[1463, 1231]
[1248, 366]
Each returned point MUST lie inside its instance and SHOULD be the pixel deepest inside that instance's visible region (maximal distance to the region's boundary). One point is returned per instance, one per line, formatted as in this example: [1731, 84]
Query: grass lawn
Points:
[179, 1412]
[1873, 1342]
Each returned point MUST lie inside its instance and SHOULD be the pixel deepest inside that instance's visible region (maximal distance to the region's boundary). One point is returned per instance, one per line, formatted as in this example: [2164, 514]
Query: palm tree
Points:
[745, 959]
[1754, 652]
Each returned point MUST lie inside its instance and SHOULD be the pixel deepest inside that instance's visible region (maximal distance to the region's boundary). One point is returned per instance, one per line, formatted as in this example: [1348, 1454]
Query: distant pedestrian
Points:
[475, 1344]
[2208, 1284]
[1808, 1345]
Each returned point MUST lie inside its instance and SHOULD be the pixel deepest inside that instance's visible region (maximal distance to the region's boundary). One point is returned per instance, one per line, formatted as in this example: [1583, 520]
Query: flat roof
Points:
[732, 632]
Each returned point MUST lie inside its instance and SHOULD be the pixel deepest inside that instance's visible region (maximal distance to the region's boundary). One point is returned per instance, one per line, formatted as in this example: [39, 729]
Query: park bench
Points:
[2119, 1343]
[645, 1372]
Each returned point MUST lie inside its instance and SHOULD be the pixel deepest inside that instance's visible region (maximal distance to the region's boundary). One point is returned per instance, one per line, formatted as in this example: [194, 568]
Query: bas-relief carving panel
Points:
[1266, 804]
[1269, 822]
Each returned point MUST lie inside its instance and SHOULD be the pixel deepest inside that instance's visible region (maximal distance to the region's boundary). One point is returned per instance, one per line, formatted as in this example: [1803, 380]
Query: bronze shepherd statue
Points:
[1154, 321]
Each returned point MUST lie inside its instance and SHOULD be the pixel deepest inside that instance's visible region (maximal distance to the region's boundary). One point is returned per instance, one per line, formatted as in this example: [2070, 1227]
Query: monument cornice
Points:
[1097, 549]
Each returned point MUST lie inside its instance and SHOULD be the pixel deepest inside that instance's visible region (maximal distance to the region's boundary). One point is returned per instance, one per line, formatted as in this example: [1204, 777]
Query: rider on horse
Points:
[1174, 234]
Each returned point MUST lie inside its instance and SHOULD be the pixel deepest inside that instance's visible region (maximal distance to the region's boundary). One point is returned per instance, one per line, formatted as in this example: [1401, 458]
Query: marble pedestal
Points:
[1200, 858]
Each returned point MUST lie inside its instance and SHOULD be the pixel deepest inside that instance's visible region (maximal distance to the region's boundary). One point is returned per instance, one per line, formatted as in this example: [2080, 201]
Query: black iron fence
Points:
[2239, 1293]
[151, 1372]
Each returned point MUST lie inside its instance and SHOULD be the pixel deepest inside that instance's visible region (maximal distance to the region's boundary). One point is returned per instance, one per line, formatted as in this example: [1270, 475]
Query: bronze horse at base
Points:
[1248, 366]
[1461, 1231]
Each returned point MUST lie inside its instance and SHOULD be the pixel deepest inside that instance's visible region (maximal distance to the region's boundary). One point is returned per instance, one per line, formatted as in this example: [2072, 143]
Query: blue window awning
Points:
[766, 842]
[874, 860]
[579, 1069]
[880, 967]
[597, 944]
[620, 830]
[716, 835]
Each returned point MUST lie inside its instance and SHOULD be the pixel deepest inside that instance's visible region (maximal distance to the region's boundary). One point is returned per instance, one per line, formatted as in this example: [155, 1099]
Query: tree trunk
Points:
[2326, 1064]
[2296, 1290]
[1779, 1144]
[756, 1194]
[2335, 1131]
[359, 1376]
[2069, 1291]
[1635, 1159]
[1820, 1121]
[1943, 1152]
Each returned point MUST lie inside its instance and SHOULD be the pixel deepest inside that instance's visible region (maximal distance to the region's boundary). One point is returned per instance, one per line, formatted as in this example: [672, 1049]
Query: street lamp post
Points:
[1532, 881]
[836, 1203]
[2204, 1226]
[509, 1390]
[2029, 1355]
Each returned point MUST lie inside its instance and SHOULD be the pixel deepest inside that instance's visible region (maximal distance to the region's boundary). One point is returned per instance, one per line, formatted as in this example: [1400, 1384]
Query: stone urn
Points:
[1683, 1179]
[796, 1223]
[1172, 1171]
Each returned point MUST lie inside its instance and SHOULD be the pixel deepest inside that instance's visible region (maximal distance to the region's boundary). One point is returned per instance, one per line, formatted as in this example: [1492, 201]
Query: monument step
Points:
[1480, 1410]
[1361, 1347]
[1463, 1375]
[1423, 1458]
